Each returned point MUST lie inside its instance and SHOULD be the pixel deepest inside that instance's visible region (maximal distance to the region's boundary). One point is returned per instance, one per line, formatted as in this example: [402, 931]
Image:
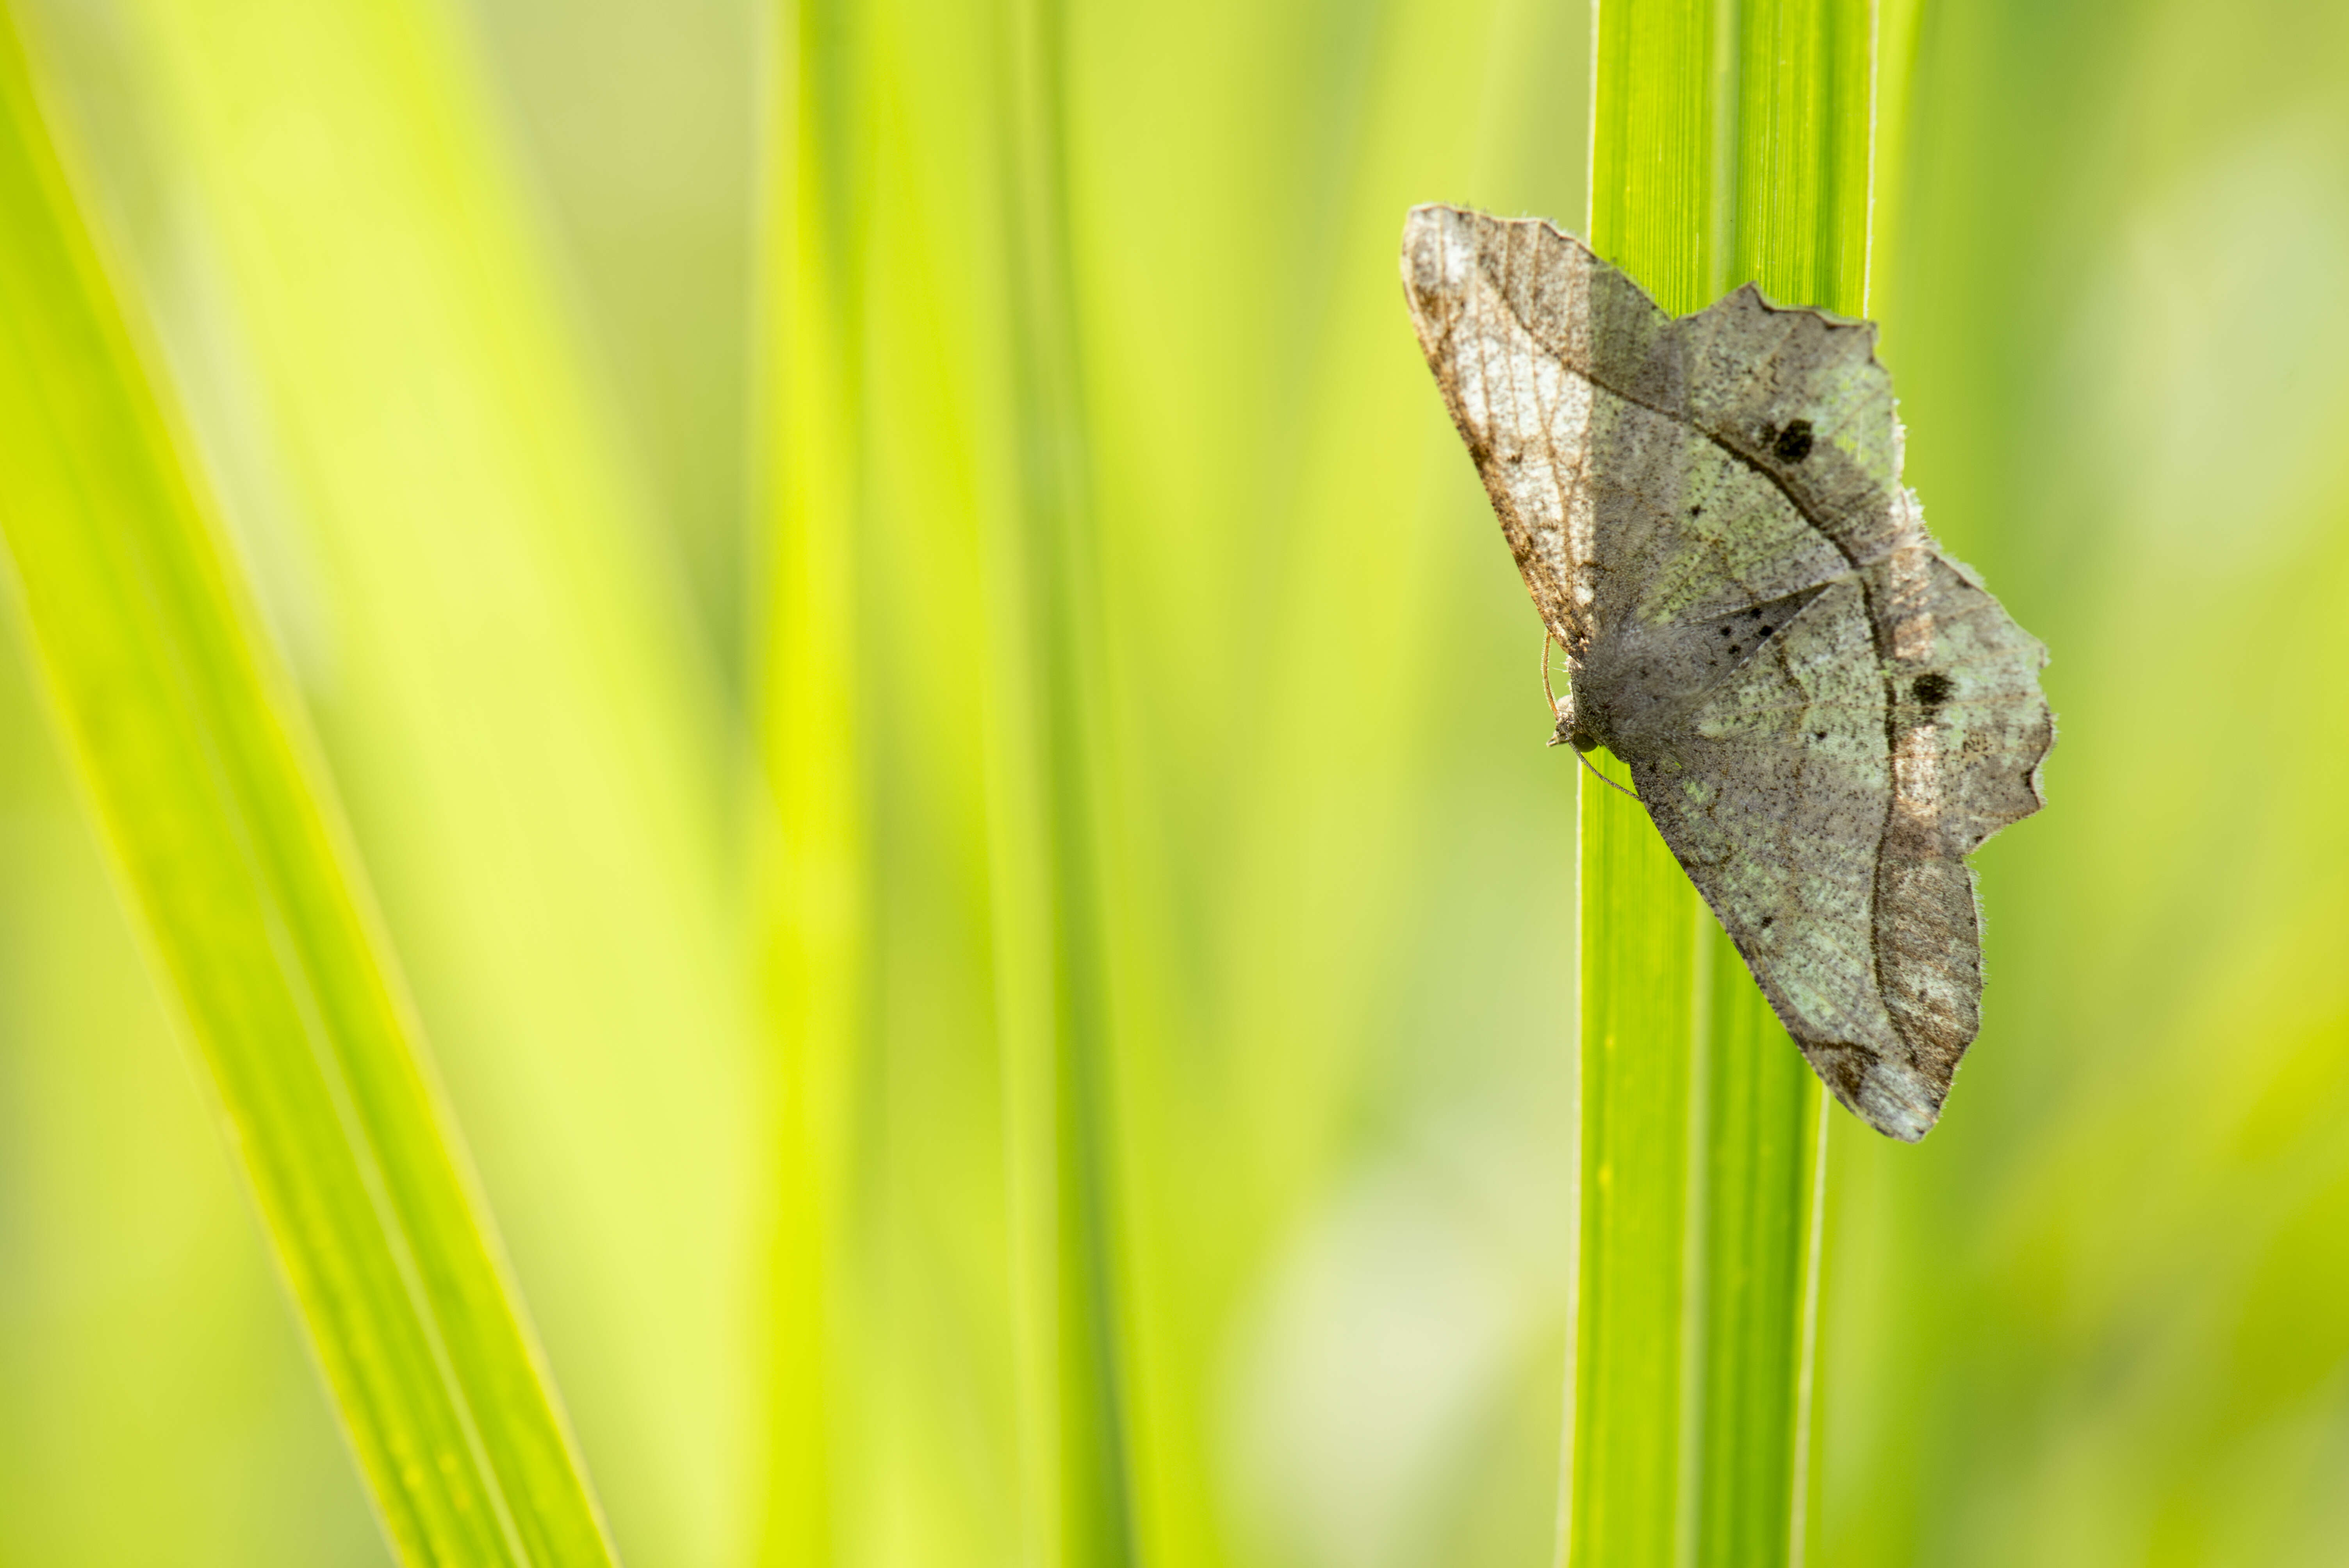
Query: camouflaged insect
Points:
[1823, 714]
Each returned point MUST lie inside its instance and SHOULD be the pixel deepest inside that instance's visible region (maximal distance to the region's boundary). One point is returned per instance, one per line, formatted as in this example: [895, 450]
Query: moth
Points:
[1822, 713]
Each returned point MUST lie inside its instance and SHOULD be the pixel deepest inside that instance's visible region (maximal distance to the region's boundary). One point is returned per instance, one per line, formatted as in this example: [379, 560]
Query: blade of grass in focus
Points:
[1622, 1497]
[229, 851]
[1728, 144]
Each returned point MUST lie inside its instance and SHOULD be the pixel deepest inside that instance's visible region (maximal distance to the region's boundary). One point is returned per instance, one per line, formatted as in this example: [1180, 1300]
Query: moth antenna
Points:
[1602, 778]
[1547, 638]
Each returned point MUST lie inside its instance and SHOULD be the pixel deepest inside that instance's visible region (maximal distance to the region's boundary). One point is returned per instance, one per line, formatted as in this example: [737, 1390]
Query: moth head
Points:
[1570, 730]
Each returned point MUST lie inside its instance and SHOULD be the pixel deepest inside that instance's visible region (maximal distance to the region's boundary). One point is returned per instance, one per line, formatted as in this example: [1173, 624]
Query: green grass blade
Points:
[931, 498]
[1653, 184]
[1656, 172]
[1804, 139]
[1049, 745]
[415, 455]
[814, 867]
[1763, 1169]
[1638, 984]
[1728, 144]
[231, 855]
[1805, 124]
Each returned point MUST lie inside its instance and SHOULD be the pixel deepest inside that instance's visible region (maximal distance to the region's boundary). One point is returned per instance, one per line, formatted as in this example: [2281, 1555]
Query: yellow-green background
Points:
[462, 303]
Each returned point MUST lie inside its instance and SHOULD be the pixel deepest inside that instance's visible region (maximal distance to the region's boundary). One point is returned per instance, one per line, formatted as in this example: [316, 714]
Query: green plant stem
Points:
[1637, 989]
[229, 853]
[1729, 143]
[1763, 1169]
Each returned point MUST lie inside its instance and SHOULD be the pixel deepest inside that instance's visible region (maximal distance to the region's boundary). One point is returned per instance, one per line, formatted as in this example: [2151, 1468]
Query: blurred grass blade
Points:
[214, 808]
[1047, 738]
[1729, 143]
[927, 430]
[448, 526]
[814, 870]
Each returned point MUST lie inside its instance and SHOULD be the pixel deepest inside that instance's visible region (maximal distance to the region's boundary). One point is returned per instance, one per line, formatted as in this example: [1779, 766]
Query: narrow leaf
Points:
[1805, 120]
[1729, 143]
[1652, 184]
[814, 869]
[1048, 741]
[229, 853]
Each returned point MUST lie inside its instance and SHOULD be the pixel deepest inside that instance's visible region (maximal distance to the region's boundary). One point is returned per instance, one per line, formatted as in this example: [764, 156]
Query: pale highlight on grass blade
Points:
[813, 858]
[214, 808]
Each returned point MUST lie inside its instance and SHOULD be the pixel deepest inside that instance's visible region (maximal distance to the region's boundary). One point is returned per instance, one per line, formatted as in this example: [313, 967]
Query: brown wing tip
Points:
[1891, 1097]
[1431, 228]
[1437, 256]
[1897, 1102]
[1442, 213]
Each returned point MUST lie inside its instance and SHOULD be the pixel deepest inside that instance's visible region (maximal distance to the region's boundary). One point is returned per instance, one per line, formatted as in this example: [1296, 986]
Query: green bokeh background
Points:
[461, 302]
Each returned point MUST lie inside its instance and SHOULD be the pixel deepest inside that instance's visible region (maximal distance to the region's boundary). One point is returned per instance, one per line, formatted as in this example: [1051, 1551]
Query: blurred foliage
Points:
[2102, 1314]
[458, 302]
[456, 554]
[231, 855]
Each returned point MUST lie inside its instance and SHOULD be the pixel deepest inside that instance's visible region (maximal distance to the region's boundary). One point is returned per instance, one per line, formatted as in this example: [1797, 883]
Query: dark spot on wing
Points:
[1818, 735]
[1933, 690]
[1793, 443]
[1766, 920]
[1696, 511]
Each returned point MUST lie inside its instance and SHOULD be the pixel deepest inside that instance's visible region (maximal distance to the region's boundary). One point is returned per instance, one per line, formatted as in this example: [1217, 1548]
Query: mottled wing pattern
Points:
[1969, 730]
[1512, 317]
[1772, 796]
[1823, 714]
[1966, 726]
